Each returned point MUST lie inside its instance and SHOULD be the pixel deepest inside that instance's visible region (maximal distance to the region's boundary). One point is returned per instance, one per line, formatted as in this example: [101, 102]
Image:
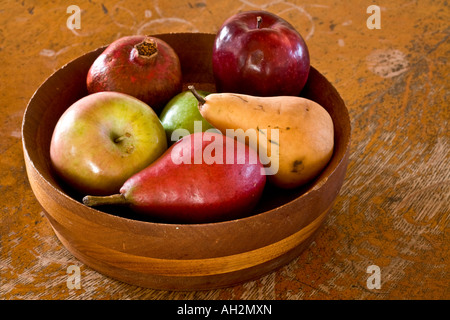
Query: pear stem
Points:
[93, 201]
[258, 22]
[200, 99]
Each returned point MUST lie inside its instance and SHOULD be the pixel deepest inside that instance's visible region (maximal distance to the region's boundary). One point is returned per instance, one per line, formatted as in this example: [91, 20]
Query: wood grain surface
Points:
[393, 209]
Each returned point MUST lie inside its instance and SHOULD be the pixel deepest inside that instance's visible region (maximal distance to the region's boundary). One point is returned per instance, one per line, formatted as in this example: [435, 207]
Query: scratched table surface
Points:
[387, 236]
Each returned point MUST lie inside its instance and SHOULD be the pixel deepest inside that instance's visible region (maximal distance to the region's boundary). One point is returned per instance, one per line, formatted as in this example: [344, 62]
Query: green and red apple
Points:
[103, 139]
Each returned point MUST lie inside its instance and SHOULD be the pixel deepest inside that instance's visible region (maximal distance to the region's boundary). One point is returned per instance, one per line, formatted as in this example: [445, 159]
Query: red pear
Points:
[204, 177]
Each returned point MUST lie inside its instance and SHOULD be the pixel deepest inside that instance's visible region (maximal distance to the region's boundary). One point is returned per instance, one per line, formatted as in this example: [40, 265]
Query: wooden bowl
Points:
[179, 256]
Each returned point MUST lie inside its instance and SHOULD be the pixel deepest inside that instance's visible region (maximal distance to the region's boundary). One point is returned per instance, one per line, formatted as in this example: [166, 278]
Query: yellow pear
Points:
[294, 136]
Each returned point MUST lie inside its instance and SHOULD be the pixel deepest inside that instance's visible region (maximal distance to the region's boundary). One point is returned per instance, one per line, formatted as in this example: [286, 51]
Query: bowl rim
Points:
[317, 183]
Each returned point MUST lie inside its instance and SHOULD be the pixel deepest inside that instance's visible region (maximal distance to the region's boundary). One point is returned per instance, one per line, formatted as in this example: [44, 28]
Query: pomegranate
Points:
[142, 66]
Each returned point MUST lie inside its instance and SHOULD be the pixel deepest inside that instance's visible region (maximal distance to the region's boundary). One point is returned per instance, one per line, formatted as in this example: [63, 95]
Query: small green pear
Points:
[181, 112]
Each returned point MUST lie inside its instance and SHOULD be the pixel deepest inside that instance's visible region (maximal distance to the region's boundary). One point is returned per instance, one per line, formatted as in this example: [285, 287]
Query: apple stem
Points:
[93, 201]
[123, 137]
[200, 99]
[258, 22]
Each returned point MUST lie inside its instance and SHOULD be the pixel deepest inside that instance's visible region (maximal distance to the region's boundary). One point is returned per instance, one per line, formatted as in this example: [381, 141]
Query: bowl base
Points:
[140, 273]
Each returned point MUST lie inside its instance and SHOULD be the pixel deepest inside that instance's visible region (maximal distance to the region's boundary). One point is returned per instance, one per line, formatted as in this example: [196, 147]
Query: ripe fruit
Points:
[260, 54]
[204, 177]
[181, 112]
[141, 66]
[103, 139]
[296, 134]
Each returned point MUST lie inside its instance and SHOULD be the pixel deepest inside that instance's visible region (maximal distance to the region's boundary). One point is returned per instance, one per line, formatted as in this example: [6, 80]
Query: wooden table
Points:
[391, 220]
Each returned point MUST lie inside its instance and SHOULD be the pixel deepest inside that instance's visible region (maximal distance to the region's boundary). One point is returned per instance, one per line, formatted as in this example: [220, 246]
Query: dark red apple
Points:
[103, 139]
[259, 53]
